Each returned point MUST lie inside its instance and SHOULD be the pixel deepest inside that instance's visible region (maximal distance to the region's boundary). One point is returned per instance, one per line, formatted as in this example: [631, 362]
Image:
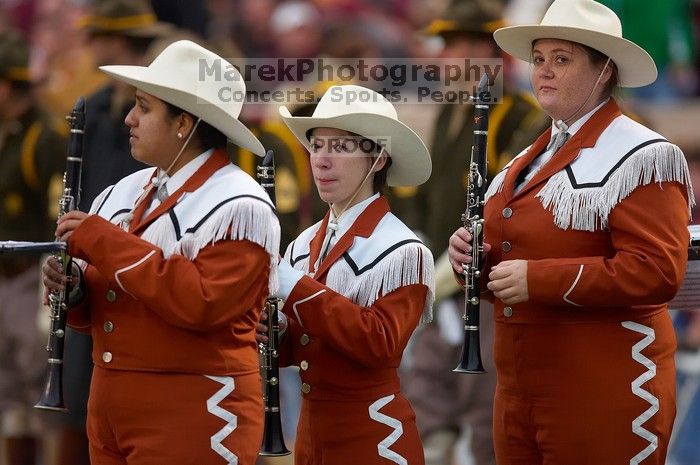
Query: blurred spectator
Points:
[218, 33]
[346, 44]
[32, 157]
[18, 14]
[251, 27]
[221, 14]
[450, 405]
[61, 65]
[390, 35]
[118, 32]
[185, 14]
[296, 29]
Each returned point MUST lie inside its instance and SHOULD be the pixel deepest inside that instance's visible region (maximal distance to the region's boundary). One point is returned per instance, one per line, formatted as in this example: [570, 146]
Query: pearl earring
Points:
[179, 135]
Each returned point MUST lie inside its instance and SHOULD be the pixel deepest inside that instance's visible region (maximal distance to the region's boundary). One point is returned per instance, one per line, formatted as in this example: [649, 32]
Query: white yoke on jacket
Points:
[626, 155]
[229, 205]
[391, 257]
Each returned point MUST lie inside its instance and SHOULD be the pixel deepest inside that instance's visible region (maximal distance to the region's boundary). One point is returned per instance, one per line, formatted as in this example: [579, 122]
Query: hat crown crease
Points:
[335, 102]
[592, 16]
[168, 66]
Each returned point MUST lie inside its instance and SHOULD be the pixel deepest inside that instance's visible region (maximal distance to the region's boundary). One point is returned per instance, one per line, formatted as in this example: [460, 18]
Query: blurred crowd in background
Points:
[65, 50]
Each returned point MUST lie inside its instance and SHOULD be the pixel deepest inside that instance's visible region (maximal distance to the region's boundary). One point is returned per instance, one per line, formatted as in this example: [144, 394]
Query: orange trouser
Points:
[145, 418]
[379, 432]
[584, 394]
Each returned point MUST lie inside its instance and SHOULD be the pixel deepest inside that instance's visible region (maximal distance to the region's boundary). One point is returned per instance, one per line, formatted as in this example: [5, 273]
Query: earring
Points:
[179, 135]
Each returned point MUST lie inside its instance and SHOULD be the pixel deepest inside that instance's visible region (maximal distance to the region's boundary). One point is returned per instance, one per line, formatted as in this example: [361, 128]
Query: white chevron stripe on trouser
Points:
[383, 446]
[230, 419]
[637, 390]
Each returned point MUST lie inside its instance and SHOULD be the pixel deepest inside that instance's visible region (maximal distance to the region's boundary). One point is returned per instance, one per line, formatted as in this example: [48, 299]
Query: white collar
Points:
[176, 181]
[576, 125]
[351, 214]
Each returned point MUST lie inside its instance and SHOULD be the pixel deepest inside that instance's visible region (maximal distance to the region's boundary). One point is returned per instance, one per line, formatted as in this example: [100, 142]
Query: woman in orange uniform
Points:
[355, 284]
[587, 243]
[177, 263]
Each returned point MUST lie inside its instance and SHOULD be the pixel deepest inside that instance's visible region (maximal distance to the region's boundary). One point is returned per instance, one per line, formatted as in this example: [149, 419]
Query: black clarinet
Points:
[52, 393]
[273, 438]
[473, 219]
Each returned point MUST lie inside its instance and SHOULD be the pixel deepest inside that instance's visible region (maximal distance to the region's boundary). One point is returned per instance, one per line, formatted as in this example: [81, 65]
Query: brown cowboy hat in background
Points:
[131, 18]
[468, 17]
[14, 56]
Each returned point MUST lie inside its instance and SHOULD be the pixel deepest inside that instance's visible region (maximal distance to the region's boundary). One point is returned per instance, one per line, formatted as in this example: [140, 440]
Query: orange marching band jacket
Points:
[181, 289]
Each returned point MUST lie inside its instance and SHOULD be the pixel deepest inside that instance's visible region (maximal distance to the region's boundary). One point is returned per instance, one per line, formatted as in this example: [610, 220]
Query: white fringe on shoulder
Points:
[496, 185]
[587, 209]
[243, 218]
[409, 264]
[498, 181]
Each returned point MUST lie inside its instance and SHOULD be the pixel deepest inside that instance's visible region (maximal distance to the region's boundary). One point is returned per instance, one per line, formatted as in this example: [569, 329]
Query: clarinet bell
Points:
[273, 439]
[52, 395]
[471, 355]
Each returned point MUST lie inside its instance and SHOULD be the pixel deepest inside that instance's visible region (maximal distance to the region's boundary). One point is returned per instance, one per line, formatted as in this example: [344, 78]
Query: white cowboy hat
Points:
[586, 22]
[367, 113]
[198, 81]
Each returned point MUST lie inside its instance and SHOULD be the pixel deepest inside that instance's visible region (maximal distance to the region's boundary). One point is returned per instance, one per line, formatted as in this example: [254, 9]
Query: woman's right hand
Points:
[54, 278]
[460, 250]
[261, 327]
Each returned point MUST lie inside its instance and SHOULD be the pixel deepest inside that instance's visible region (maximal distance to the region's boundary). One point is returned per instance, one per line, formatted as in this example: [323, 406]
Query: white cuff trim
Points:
[295, 304]
[566, 296]
[127, 268]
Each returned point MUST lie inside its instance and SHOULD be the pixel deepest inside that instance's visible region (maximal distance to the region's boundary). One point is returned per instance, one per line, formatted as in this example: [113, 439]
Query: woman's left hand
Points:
[508, 281]
[67, 224]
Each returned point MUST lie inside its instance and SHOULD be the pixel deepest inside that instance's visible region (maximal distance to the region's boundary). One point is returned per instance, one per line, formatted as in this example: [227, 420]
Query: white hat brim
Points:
[635, 66]
[142, 78]
[410, 159]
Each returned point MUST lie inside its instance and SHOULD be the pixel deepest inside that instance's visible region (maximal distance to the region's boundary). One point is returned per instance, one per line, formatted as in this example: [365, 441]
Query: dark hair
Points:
[373, 149]
[599, 59]
[207, 135]
[379, 182]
